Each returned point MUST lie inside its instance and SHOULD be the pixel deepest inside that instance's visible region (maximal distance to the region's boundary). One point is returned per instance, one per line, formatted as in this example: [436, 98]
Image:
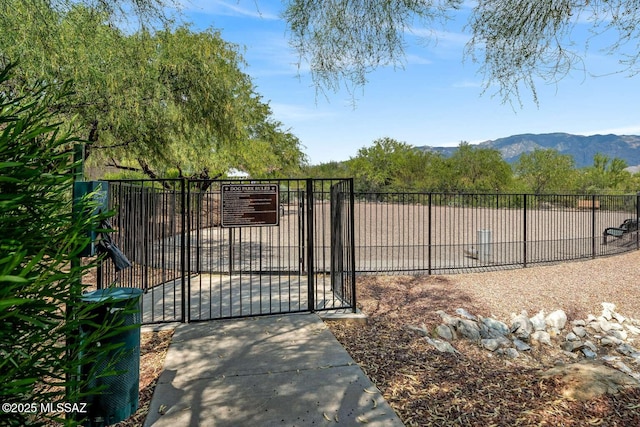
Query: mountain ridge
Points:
[581, 148]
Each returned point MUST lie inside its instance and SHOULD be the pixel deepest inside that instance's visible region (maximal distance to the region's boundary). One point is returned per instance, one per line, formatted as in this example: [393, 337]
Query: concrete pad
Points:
[216, 296]
[277, 370]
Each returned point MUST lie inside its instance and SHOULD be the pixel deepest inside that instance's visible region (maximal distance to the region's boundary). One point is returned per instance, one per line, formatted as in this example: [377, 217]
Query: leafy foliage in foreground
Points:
[40, 284]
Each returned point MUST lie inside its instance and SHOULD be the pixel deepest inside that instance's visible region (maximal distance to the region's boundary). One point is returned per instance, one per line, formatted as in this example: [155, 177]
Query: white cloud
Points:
[417, 60]
[228, 8]
[624, 130]
[290, 112]
[440, 38]
[467, 84]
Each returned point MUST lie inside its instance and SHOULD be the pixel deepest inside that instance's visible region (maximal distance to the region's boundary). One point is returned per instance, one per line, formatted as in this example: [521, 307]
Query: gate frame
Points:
[153, 191]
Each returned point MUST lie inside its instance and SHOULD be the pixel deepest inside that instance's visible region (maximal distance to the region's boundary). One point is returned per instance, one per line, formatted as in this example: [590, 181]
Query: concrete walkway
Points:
[266, 371]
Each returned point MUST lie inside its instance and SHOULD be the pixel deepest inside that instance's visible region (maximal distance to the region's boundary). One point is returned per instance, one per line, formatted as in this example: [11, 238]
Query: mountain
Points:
[581, 148]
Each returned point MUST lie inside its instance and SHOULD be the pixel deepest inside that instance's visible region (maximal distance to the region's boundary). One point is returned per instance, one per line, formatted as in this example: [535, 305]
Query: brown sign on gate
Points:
[249, 205]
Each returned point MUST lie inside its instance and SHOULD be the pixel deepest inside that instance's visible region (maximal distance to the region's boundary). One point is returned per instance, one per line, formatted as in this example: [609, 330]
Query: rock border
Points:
[608, 338]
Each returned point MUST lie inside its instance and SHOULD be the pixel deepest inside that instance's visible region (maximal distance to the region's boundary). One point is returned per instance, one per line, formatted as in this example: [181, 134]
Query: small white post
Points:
[484, 245]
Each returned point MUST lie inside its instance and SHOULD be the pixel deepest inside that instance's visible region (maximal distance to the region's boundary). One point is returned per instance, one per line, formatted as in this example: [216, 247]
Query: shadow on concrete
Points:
[277, 370]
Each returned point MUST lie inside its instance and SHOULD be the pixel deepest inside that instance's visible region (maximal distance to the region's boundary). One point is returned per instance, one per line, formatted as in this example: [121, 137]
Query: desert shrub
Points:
[40, 281]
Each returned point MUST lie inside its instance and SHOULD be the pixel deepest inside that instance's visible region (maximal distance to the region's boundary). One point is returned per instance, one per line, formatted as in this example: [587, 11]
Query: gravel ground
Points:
[428, 388]
[579, 287]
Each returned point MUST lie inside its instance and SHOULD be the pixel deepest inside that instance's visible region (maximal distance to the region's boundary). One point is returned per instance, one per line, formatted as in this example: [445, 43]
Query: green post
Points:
[78, 175]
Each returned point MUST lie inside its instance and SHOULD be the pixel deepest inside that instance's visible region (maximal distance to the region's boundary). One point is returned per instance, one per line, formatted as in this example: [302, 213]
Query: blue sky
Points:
[436, 99]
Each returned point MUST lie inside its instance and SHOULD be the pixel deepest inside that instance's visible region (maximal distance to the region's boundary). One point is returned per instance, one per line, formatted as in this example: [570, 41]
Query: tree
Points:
[374, 167]
[344, 40]
[473, 169]
[152, 100]
[141, 12]
[514, 40]
[545, 170]
[518, 40]
[331, 169]
[390, 165]
[605, 174]
[421, 171]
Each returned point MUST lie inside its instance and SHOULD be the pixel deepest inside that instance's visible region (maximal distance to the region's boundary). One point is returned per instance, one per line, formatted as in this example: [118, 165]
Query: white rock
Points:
[464, 313]
[610, 341]
[521, 326]
[633, 329]
[578, 322]
[590, 346]
[616, 326]
[608, 309]
[605, 325]
[572, 337]
[447, 319]
[579, 331]
[556, 319]
[626, 350]
[538, 321]
[619, 317]
[621, 335]
[591, 318]
[542, 337]
[422, 330]
[595, 326]
[571, 346]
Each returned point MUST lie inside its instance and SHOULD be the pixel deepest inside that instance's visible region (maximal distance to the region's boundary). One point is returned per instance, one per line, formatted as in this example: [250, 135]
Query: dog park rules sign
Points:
[249, 205]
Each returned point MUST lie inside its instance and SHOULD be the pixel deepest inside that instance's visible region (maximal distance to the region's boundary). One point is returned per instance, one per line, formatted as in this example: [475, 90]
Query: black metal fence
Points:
[191, 267]
[433, 233]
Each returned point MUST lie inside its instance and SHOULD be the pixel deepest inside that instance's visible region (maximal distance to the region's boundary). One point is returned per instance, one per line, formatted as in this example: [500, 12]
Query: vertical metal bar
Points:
[240, 261]
[198, 209]
[145, 238]
[638, 220]
[310, 251]
[593, 226]
[524, 232]
[99, 276]
[352, 244]
[429, 267]
[301, 230]
[183, 256]
[231, 237]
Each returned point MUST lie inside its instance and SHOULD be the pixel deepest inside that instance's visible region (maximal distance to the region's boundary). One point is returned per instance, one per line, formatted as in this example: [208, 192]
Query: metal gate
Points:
[198, 253]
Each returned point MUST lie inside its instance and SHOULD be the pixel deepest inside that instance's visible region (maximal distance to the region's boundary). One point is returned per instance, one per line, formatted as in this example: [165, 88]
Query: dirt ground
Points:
[429, 388]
